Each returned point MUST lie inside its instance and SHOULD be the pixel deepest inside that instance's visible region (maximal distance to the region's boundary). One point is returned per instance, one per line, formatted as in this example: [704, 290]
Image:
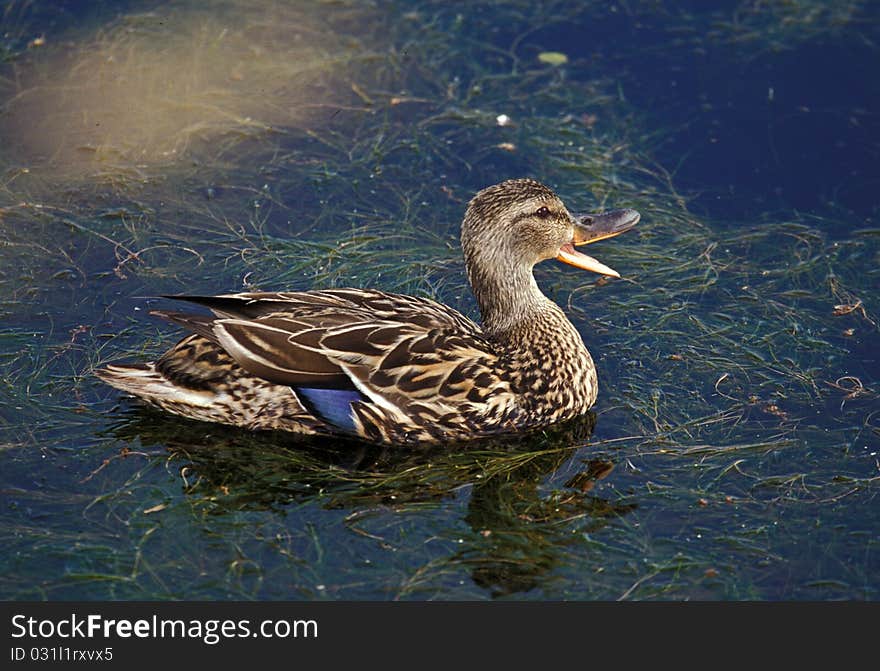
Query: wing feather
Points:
[412, 359]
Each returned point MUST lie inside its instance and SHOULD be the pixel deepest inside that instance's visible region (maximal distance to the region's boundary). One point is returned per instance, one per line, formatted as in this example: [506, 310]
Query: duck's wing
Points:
[296, 337]
[366, 361]
[335, 307]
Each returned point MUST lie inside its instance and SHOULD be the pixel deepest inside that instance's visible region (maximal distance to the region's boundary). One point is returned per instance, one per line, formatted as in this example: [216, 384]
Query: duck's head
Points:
[513, 225]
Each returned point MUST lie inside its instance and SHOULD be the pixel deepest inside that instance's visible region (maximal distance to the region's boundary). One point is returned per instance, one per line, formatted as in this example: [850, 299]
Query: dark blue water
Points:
[752, 126]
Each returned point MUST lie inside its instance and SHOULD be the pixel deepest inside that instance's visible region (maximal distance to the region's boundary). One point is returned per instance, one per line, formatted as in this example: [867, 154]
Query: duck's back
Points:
[385, 367]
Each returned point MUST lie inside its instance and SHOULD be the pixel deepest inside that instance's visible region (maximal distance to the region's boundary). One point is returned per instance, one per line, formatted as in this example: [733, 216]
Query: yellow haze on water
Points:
[143, 92]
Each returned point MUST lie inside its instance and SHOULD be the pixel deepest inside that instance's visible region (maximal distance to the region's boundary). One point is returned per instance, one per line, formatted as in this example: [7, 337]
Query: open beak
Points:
[589, 228]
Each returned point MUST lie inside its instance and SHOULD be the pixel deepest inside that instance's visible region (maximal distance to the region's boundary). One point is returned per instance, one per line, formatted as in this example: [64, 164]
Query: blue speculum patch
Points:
[331, 405]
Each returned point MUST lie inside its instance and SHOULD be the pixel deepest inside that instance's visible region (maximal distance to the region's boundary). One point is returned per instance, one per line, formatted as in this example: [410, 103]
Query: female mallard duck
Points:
[392, 368]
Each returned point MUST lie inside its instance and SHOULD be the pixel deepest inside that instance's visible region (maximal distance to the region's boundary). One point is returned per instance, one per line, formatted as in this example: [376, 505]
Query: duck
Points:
[390, 368]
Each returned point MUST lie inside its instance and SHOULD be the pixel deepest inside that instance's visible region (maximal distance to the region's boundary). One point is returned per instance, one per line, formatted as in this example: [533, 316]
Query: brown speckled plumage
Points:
[396, 369]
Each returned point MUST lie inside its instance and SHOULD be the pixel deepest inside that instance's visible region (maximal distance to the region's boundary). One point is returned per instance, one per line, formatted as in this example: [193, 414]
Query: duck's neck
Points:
[508, 302]
[546, 360]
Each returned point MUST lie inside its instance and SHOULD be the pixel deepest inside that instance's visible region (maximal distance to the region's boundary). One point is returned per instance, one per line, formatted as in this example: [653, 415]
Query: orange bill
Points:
[592, 228]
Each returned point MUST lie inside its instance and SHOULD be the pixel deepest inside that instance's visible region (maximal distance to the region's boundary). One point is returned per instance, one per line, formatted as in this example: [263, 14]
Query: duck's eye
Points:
[543, 212]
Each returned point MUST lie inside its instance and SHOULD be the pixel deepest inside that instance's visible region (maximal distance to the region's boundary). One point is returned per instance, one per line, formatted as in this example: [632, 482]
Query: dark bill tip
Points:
[593, 227]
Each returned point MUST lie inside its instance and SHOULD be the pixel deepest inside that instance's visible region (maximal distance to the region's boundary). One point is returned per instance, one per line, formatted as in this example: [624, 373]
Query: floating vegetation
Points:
[785, 24]
[234, 146]
[761, 25]
[553, 58]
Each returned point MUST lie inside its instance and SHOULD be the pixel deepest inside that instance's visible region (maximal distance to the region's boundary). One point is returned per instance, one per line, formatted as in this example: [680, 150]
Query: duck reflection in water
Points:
[521, 525]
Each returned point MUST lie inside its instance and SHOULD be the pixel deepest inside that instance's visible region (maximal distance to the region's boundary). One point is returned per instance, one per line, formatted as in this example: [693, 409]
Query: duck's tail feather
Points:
[144, 381]
[240, 400]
